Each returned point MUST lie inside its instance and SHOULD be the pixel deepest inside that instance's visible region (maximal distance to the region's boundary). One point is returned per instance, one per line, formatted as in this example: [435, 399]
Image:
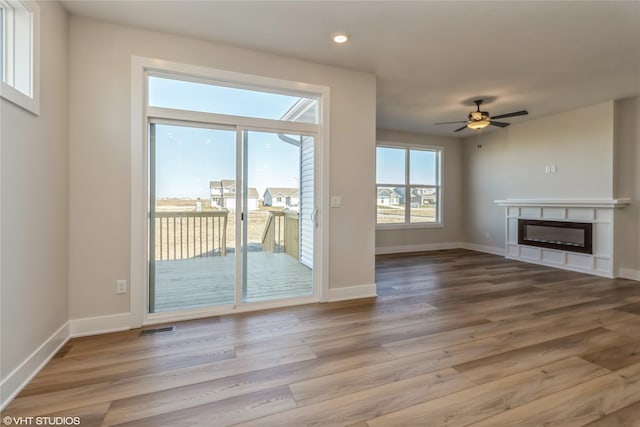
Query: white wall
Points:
[485, 163]
[395, 240]
[627, 185]
[35, 196]
[100, 161]
[596, 158]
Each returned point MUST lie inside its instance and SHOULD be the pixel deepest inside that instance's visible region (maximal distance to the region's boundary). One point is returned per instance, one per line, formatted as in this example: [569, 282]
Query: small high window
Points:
[19, 53]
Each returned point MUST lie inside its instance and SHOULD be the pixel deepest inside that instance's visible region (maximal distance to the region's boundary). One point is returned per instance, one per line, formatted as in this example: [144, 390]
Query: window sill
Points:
[20, 99]
[409, 226]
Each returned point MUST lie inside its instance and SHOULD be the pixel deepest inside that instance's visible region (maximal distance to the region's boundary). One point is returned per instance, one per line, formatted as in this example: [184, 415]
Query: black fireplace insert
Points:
[561, 235]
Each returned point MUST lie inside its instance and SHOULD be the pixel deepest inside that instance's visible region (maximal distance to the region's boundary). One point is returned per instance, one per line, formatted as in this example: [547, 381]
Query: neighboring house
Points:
[282, 197]
[423, 196]
[223, 195]
[419, 196]
[388, 197]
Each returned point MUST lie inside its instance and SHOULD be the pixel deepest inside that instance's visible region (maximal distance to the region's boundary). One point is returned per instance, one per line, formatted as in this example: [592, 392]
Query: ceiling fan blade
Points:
[463, 127]
[499, 124]
[448, 123]
[514, 114]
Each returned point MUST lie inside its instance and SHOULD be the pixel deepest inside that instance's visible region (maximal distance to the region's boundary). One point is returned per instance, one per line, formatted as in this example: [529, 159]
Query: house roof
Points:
[226, 183]
[229, 183]
[387, 192]
[283, 191]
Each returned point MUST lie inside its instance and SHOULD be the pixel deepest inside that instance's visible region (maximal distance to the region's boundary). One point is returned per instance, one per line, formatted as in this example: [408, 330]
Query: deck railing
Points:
[281, 233]
[180, 235]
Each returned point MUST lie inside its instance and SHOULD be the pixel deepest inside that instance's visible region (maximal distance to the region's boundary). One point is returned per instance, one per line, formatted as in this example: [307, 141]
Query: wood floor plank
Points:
[88, 416]
[455, 337]
[357, 407]
[348, 382]
[577, 405]
[161, 402]
[222, 413]
[117, 371]
[629, 416]
[617, 356]
[631, 308]
[510, 362]
[629, 328]
[108, 391]
[492, 398]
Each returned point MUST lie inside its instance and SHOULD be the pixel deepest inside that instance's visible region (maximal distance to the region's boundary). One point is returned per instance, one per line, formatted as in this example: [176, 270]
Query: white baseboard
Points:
[20, 377]
[416, 248]
[352, 292]
[100, 325]
[629, 273]
[483, 248]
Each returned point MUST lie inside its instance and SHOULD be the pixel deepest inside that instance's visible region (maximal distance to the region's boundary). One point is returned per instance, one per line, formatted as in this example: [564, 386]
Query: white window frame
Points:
[439, 223]
[21, 24]
[141, 67]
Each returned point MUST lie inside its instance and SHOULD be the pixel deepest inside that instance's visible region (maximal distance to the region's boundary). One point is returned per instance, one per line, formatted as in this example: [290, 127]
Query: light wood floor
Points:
[455, 338]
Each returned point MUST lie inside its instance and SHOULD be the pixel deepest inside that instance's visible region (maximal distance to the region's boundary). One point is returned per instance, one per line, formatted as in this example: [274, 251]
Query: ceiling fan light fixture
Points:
[478, 124]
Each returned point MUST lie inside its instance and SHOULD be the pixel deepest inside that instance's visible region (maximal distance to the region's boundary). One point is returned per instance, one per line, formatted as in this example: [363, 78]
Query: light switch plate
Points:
[336, 201]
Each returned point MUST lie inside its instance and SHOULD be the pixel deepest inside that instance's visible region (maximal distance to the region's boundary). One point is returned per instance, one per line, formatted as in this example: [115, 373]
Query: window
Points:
[217, 98]
[408, 185]
[19, 53]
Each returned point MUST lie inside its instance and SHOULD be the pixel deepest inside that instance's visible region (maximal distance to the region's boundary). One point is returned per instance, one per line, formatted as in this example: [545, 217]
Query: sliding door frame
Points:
[142, 115]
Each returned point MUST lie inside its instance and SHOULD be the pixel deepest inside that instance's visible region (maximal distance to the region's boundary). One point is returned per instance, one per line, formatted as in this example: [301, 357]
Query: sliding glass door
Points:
[278, 208]
[192, 216]
[231, 216]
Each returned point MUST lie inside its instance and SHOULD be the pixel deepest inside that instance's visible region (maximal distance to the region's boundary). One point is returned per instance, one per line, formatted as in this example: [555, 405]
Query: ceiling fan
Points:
[481, 119]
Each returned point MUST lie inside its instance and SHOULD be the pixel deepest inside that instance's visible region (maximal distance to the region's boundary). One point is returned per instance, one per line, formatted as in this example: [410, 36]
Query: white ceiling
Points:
[431, 59]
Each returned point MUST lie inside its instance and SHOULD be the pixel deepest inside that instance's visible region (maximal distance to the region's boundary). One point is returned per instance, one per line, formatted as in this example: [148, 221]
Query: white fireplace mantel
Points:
[566, 203]
[599, 212]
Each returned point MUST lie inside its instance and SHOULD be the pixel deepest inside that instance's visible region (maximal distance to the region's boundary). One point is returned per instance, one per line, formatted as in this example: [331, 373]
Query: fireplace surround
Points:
[590, 249]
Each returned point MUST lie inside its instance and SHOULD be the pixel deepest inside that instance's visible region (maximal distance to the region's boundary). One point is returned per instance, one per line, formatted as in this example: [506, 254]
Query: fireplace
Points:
[532, 226]
[560, 235]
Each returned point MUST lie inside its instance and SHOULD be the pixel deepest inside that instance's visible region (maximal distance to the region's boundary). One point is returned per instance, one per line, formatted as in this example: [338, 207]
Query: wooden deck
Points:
[210, 281]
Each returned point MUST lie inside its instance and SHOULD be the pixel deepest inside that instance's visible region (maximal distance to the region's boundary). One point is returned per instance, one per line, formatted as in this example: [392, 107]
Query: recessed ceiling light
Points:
[340, 38]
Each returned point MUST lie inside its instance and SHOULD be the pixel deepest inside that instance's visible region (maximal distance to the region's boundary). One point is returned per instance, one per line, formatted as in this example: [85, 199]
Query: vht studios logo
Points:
[41, 421]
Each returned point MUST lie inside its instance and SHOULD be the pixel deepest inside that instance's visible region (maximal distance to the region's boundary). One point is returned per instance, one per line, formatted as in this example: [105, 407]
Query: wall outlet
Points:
[121, 287]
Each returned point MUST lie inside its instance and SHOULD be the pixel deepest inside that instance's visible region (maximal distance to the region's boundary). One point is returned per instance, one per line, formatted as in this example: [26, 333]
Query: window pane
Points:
[390, 201]
[424, 204]
[390, 165]
[422, 167]
[209, 98]
[22, 53]
[2, 42]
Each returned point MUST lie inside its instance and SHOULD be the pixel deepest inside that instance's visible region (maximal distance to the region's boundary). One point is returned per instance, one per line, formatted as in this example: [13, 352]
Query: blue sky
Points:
[187, 158]
[390, 166]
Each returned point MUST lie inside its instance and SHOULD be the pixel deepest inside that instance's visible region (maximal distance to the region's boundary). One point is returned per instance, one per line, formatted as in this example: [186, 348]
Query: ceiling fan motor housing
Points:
[478, 115]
